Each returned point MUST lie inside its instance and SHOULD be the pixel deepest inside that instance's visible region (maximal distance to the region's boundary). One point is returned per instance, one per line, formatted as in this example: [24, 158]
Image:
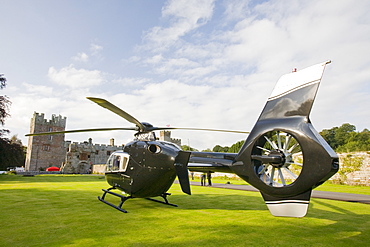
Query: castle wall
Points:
[82, 156]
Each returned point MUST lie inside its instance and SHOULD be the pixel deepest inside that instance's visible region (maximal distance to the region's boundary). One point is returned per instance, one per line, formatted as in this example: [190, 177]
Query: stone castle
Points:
[71, 157]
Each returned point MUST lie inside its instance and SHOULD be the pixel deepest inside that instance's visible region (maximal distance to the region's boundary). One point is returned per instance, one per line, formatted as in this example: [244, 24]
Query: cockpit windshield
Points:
[118, 161]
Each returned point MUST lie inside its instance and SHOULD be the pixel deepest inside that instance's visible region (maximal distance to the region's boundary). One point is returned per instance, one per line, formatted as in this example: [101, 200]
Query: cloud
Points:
[81, 57]
[183, 105]
[75, 78]
[95, 49]
[184, 16]
[236, 10]
[38, 89]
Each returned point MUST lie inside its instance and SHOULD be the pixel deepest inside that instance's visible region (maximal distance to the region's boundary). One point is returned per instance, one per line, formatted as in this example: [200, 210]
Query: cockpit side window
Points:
[118, 162]
[110, 163]
[124, 164]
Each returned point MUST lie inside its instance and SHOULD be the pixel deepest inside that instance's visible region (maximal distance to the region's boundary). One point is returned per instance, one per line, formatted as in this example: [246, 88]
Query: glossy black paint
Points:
[150, 171]
[290, 113]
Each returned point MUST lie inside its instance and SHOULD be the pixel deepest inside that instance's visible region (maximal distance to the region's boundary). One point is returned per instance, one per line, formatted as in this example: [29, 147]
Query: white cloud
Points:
[38, 89]
[236, 10]
[95, 49]
[81, 57]
[128, 82]
[184, 16]
[75, 78]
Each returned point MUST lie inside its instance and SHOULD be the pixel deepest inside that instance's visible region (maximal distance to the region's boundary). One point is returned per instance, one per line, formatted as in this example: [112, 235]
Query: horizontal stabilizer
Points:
[296, 206]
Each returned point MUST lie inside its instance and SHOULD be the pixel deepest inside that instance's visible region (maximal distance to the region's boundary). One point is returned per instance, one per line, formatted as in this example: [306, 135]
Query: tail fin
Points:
[182, 172]
[294, 93]
[284, 156]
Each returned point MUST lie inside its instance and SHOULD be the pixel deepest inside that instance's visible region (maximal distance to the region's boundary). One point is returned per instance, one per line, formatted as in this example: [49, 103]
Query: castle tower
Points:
[47, 150]
[166, 136]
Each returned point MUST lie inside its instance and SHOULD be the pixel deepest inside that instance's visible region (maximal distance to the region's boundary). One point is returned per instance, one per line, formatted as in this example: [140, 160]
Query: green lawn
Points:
[64, 211]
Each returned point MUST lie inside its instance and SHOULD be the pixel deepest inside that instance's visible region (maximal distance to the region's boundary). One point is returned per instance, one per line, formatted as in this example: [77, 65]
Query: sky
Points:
[183, 63]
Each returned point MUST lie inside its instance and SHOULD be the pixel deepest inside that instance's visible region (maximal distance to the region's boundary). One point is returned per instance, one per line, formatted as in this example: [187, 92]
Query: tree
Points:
[12, 152]
[4, 102]
[188, 148]
[329, 136]
[235, 148]
[343, 133]
[345, 139]
[220, 149]
[2, 81]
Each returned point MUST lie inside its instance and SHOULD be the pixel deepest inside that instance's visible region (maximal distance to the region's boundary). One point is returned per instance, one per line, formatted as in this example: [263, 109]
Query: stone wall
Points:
[360, 176]
[98, 169]
[81, 157]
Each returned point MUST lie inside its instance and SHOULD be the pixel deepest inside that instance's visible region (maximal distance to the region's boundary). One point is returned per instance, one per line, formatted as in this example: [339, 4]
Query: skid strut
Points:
[164, 196]
[123, 199]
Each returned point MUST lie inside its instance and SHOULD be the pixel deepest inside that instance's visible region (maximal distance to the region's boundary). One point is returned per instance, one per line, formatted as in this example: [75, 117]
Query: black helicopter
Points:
[283, 156]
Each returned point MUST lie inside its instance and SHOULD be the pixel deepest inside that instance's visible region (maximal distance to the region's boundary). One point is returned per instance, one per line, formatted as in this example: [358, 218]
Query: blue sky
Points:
[206, 64]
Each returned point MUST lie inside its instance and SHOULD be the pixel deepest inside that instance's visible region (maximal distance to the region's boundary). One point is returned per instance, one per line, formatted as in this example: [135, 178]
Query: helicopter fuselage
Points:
[143, 169]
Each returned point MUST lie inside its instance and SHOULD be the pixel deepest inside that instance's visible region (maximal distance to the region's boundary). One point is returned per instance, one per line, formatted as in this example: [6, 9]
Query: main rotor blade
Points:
[218, 130]
[106, 104]
[76, 131]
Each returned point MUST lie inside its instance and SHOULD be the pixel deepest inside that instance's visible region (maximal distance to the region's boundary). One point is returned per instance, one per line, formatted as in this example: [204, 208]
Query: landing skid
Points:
[123, 199]
[164, 196]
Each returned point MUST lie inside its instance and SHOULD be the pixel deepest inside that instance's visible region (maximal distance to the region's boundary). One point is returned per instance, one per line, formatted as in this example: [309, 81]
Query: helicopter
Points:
[283, 156]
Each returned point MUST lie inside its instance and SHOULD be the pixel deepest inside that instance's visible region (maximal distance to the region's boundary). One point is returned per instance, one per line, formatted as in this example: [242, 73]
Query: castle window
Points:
[46, 147]
[83, 156]
[97, 152]
[108, 152]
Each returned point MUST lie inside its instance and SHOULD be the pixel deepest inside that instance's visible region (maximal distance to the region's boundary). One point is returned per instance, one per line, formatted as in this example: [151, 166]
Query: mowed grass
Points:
[64, 211]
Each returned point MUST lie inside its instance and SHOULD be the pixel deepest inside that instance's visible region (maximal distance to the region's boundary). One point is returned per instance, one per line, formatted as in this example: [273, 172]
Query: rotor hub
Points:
[278, 158]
